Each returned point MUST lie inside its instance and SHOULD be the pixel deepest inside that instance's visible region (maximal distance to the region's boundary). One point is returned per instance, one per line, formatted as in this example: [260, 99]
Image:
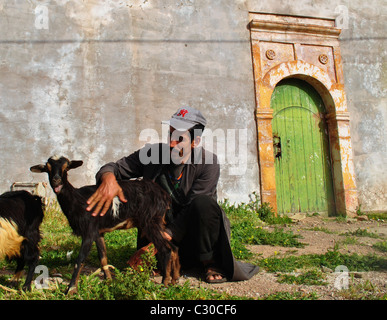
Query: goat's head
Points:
[57, 168]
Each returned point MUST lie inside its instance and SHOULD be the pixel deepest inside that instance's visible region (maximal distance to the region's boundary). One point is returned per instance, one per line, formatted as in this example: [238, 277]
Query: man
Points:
[190, 175]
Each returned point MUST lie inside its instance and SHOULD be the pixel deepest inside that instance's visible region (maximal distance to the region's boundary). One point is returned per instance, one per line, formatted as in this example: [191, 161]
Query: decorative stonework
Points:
[270, 54]
[323, 58]
[305, 48]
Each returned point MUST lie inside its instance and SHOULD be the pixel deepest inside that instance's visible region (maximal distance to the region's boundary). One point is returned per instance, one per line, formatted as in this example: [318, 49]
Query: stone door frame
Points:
[305, 48]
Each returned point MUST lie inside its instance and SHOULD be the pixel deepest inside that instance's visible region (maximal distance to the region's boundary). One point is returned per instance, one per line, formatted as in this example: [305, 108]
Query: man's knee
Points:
[203, 202]
[205, 207]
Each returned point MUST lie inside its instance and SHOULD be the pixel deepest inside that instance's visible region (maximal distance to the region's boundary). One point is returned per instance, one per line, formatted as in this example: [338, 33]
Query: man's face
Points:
[181, 145]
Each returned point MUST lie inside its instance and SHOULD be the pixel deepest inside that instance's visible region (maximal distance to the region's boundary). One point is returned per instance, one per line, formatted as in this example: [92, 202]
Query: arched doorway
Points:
[308, 49]
[301, 148]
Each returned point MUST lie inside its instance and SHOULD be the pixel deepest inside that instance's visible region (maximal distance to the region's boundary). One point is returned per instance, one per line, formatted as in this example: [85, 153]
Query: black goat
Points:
[145, 209]
[21, 214]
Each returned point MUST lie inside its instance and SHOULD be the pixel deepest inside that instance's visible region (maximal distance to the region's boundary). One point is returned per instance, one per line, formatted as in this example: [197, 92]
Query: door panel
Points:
[301, 146]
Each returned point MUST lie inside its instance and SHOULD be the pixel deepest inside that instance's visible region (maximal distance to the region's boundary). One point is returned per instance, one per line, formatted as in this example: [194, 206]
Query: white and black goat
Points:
[145, 209]
[21, 214]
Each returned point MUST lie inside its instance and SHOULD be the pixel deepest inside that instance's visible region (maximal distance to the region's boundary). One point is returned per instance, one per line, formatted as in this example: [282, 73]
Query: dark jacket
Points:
[200, 178]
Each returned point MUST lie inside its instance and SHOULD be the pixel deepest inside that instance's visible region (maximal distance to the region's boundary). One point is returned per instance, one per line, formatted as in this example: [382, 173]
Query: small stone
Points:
[326, 269]
[357, 275]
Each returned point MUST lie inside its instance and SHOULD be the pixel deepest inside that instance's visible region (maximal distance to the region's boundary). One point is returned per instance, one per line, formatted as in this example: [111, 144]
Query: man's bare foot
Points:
[213, 274]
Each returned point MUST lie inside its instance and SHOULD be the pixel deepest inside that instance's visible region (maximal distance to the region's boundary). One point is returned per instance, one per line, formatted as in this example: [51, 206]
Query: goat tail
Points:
[10, 240]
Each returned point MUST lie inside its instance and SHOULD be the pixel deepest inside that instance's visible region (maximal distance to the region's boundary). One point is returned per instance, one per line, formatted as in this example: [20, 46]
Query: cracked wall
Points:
[101, 72]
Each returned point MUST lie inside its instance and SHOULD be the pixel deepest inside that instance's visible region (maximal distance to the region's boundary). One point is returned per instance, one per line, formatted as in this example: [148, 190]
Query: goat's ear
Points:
[39, 168]
[75, 164]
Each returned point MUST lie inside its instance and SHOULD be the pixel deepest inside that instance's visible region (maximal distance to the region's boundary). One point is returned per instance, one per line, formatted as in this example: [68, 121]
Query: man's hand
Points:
[103, 197]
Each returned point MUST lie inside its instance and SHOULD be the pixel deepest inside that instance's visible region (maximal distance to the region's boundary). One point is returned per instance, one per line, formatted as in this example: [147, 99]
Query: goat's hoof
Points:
[26, 288]
[14, 283]
[166, 282]
[71, 290]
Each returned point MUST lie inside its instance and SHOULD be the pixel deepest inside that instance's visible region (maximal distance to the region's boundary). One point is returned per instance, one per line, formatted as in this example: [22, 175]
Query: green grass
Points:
[378, 216]
[312, 277]
[249, 225]
[126, 285]
[361, 233]
[59, 249]
[363, 291]
[381, 246]
[283, 295]
[330, 259]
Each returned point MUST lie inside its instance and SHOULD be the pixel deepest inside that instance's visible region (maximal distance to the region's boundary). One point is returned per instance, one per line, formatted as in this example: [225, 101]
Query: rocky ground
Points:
[319, 235]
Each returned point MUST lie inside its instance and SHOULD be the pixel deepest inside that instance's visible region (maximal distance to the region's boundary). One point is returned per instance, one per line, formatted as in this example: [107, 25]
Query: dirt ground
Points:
[319, 235]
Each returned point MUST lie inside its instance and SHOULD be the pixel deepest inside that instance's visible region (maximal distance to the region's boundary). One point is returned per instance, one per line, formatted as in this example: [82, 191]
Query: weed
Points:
[359, 212]
[381, 246]
[349, 240]
[363, 291]
[378, 216]
[283, 295]
[330, 259]
[361, 233]
[341, 219]
[321, 229]
[310, 277]
[247, 221]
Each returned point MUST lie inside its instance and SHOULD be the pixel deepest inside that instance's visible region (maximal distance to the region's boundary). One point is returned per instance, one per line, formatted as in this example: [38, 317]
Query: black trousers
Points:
[197, 231]
[201, 240]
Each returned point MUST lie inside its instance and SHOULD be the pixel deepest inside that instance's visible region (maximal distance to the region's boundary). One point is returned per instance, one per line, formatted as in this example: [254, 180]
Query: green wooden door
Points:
[301, 149]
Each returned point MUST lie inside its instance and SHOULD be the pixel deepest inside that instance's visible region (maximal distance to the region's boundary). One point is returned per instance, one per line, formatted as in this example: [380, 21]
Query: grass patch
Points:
[59, 249]
[362, 291]
[361, 233]
[126, 285]
[378, 216]
[321, 229]
[247, 227]
[330, 259]
[312, 277]
[381, 246]
[283, 295]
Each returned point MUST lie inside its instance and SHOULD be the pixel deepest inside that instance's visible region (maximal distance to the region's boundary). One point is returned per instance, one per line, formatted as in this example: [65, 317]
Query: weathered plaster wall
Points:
[105, 70]
[364, 53]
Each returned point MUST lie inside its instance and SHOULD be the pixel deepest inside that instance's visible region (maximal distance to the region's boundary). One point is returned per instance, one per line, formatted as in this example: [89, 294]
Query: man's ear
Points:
[195, 143]
[39, 168]
[75, 164]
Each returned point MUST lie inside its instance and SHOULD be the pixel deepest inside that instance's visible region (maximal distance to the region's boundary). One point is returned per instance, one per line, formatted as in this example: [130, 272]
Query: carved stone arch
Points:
[313, 55]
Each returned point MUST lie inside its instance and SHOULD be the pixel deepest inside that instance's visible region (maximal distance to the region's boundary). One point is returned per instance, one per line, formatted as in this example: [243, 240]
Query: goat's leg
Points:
[31, 258]
[19, 270]
[31, 270]
[83, 253]
[166, 263]
[175, 266]
[171, 264]
[101, 248]
[163, 256]
[155, 233]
